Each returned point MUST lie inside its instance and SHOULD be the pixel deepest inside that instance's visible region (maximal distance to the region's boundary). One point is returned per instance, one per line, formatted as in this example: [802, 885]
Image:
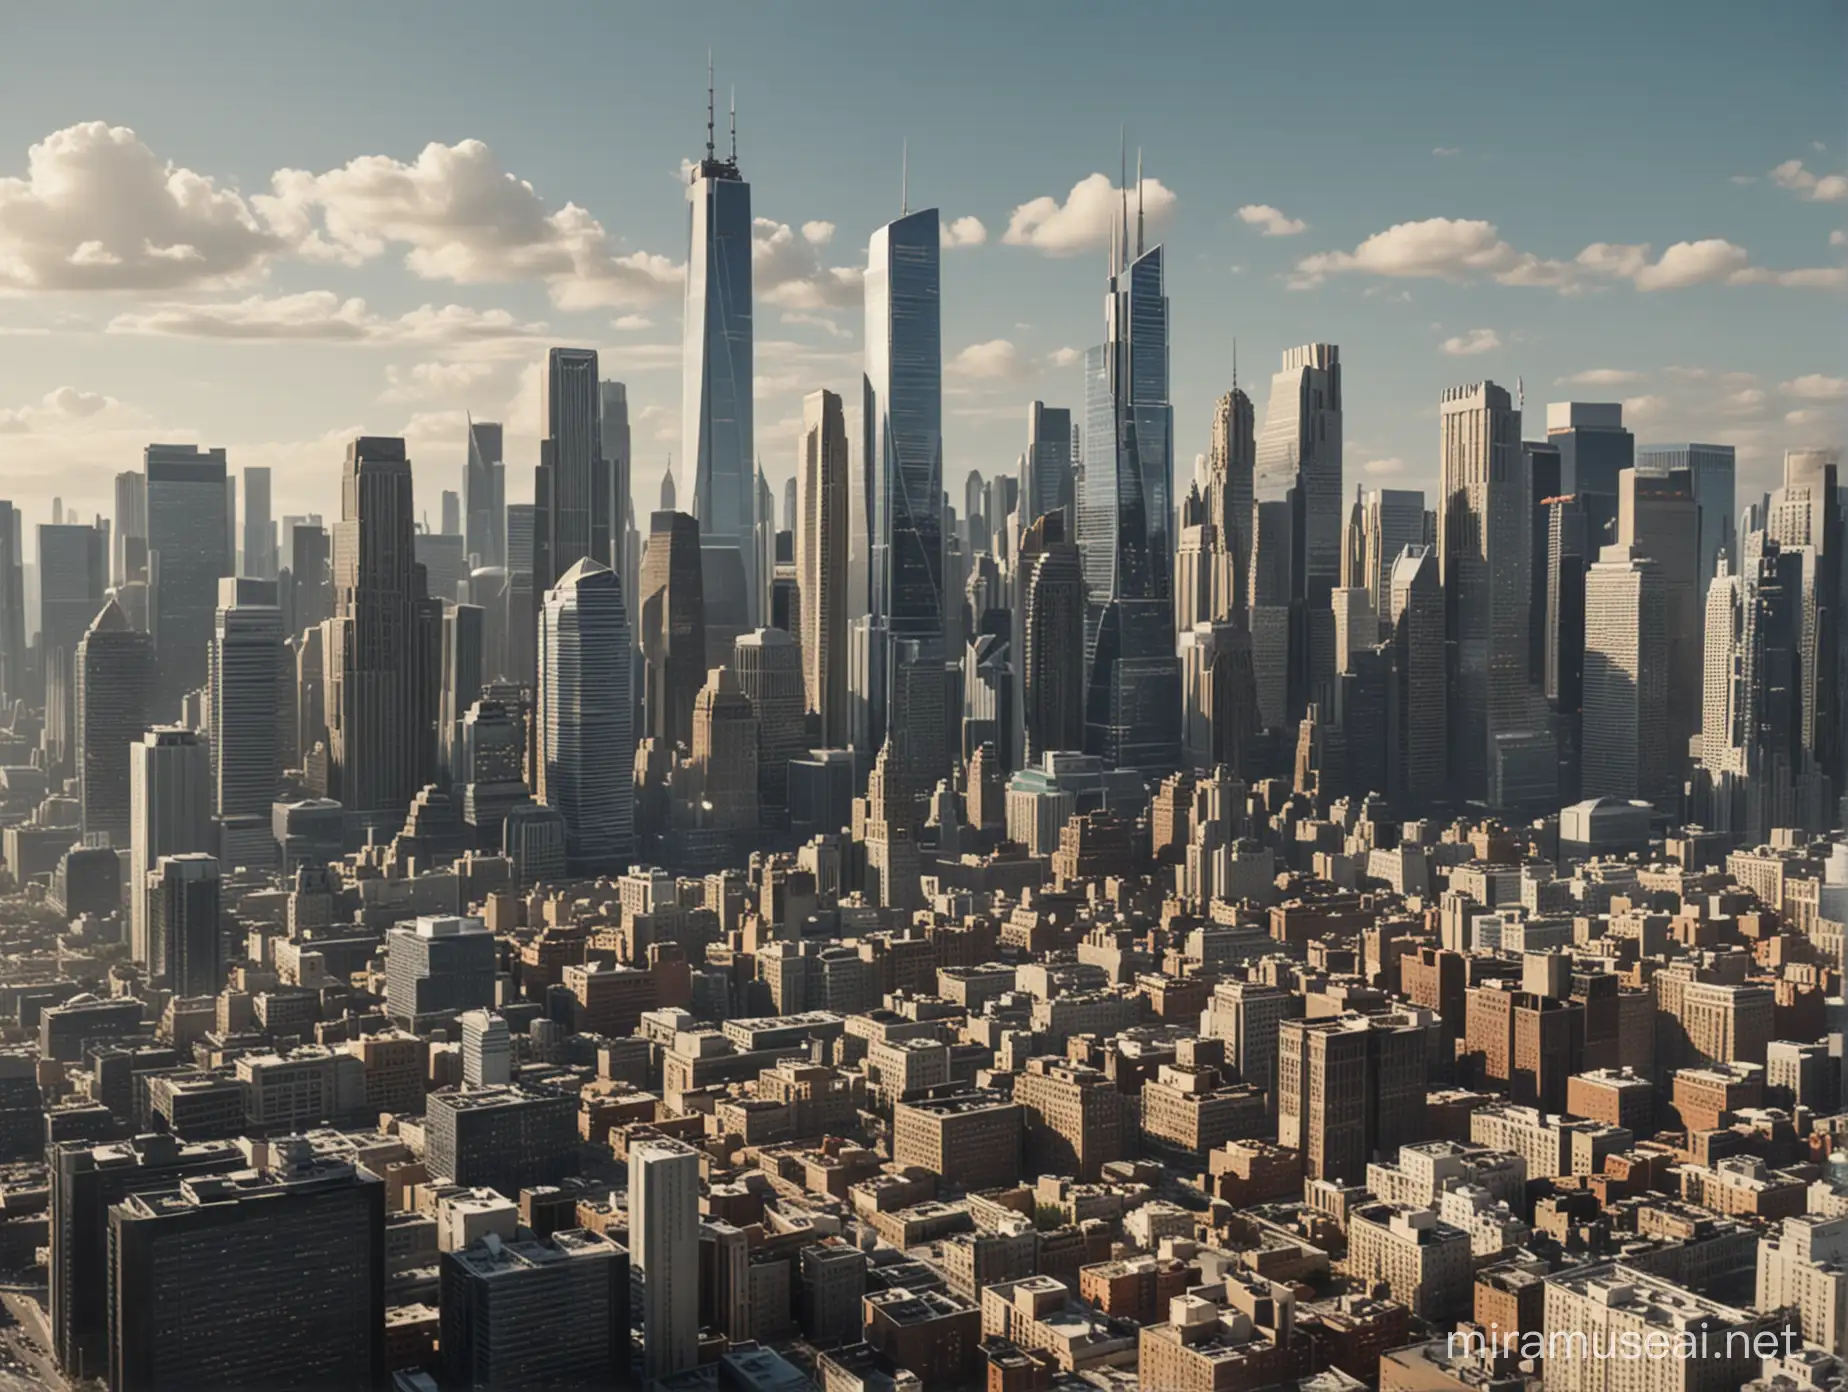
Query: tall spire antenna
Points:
[708, 103]
[1138, 202]
[1123, 190]
[1235, 363]
[734, 124]
[904, 179]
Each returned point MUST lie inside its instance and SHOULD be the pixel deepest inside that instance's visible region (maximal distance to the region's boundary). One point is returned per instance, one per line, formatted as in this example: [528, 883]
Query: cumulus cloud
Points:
[1084, 220]
[629, 323]
[1469, 344]
[322, 316]
[1460, 250]
[817, 233]
[963, 232]
[1271, 221]
[997, 360]
[1601, 377]
[428, 381]
[1813, 386]
[60, 408]
[1065, 357]
[787, 270]
[1813, 188]
[98, 210]
[1645, 410]
[1383, 468]
[1838, 238]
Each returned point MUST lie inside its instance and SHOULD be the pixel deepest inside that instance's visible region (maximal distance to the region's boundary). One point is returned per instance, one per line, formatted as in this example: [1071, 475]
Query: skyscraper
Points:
[1626, 751]
[1657, 515]
[1563, 636]
[585, 746]
[185, 930]
[673, 618]
[12, 606]
[1417, 756]
[1050, 651]
[464, 649]
[716, 428]
[1594, 448]
[1299, 457]
[613, 437]
[1125, 521]
[1805, 517]
[246, 672]
[1710, 475]
[373, 701]
[1482, 555]
[1392, 520]
[259, 530]
[187, 544]
[1047, 483]
[664, 1252]
[484, 495]
[170, 813]
[115, 676]
[1230, 472]
[571, 503]
[903, 459]
[130, 558]
[824, 498]
[1219, 698]
[73, 571]
[768, 663]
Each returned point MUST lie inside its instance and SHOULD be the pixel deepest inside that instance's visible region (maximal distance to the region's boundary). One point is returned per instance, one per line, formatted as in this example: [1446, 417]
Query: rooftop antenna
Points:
[1235, 364]
[1520, 393]
[904, 179]
[708, 103]
[1123, 185]
[1138, 202]
[734, 124]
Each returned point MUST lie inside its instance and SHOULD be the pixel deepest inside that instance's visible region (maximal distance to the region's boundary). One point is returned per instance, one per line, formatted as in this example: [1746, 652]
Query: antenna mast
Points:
[1123, 191]
[1138, 202]
[708, 103]
[904, 179]
[734, 124]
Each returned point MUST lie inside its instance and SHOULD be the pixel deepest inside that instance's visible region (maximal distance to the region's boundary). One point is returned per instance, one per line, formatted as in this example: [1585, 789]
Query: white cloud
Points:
[787, 271]
[1469, 344]
[1065, 357]
[1446, 152]
[460, 216]
[997, 360]
[817, 233]
[61, 410]
[1601, 377]
[430, 381]
[1460, 250]
[628, 323]
[1812, 188]
[1645, 410]
[1814, 386]
[1744, 179]
[817, 321]
[1271, 221]
[98, 210]
[321, 315]
[1383, 468]
[1747, 401]
[1807, 416]
[963, 232]
[1084, 220]
[1838, 238]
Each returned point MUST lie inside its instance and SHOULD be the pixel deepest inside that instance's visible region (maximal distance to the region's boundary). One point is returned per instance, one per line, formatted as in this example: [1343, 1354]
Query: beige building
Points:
[1806, 1267]
[1611, 1306]
[971, 1139]
[1076, 1121]
[1425, 1262]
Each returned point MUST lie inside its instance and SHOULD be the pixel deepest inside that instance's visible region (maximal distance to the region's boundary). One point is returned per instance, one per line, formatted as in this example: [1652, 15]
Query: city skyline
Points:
[403, 276]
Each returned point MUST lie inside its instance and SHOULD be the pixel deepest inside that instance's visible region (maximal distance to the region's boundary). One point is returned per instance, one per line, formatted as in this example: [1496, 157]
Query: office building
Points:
[902, 457]
[1047, 481]
[1050, 662]
[1418, 749]
[541, 1312]
[1220, 722]
[1609, 1305]
[306, 1235]
[583, 765]
[1658, 518]
[1626, 745]
[115, 675]
[1392, 519]
[1231, 465]
[464, 658]
[490, 767]
[505, 1138]
[1074, 1119]
[821, 565]
[1350, 1087]
[1710, 470]
[1125, 521]
[1424, 1263]
[13, 659]
[1562, 672]
[170, 813]
[1299, 461]
[188, 542]
[73, 570]
[717, 432]
[487, 1049]
[259, 535]
[614, 445]
[673, 624]
[1594, 450]
[438, 967]
[1805, 1267]
[246, 678]
[184, 923]
[768, 667]
[970, 1138]
[571, 502]
[129, 542]
[664, 1252]
[484, 495]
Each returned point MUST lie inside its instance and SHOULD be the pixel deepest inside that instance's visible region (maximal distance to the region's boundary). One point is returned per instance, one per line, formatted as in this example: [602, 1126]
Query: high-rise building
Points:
[487, 1049]
[1710, 470]
[1626, 753]
[540, 1312]
[768, 665]
[170, 813]
[490, 761]
[1219, 698]
[717, 387]
[673, 623]
[725, 752]
[1594, 449]
[1350, 1087]
[244, 682]
[1562, 669]
[188, 541]
[115, 677]
[13, 682]
[664, 1252]
[1125, 522]
[306, 1235]
[184, 923]
[1299, 459]
[1051, 649]
[571, 504]
[311, 577]
[73, 572]
[584, 764]
[378, 714]
[452, 514]
[1805, 516]
[1482, 556]
[1418, 752]
[903, 460]
[1231, 465]
[1658, 517]
[1047, 482]
[613, 438]
[484, 495]
[821, 566]
[1392, 520]
[259, 530]
[436, 967]
[464, 661]
[129, 559]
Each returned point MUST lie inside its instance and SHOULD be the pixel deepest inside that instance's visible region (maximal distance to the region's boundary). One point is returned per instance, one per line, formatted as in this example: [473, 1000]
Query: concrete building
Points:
[1805, 1267]
[170, 811]
[550, 1311]
[972, 1138]
[664, 1248]
[1424, 1262]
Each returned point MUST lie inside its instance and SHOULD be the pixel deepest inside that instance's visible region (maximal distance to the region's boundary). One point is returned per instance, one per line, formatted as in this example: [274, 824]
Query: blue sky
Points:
[1645, 193]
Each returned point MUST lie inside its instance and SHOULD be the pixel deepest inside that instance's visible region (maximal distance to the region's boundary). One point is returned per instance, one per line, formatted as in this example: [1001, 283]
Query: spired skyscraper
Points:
[716, 427]
[1125, 523]
[903, 652]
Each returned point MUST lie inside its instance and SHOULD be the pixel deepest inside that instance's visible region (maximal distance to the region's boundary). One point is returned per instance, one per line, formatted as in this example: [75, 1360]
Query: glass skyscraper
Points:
[716, 382]
[584, 766]
[188, 541]
[484, 495]
[1125, 520]
[903, 459]
[1711, 472]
